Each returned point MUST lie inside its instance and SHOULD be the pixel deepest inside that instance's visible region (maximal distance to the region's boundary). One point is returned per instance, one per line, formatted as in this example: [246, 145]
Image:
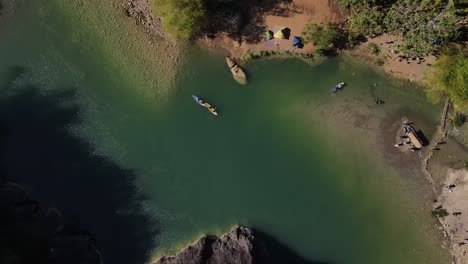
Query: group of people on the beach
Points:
[418, 60]
[400, 58]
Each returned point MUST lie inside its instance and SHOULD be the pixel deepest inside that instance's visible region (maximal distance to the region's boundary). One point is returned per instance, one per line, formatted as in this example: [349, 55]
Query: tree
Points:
[425, 25]
[450, 78]
[356, 3]
[324, 36]
[366, 21]
[181, 18]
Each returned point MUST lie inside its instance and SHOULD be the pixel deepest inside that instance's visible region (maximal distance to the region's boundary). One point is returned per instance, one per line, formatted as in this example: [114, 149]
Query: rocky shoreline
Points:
[239, 245]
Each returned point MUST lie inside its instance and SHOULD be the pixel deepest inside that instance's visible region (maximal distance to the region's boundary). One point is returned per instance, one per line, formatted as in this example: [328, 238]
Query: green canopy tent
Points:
[268, 35]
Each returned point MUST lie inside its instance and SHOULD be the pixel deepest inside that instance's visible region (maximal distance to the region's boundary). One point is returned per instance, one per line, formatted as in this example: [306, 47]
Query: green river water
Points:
[148, 172]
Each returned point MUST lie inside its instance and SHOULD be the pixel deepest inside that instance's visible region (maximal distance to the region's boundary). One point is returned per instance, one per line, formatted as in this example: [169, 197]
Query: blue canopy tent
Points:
[297, 42]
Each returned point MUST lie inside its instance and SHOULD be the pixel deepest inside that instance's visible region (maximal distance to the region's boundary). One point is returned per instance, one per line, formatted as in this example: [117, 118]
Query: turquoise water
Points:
[149, 172]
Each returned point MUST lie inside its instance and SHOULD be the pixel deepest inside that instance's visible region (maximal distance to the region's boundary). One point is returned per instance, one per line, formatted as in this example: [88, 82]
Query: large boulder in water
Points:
[237, 72]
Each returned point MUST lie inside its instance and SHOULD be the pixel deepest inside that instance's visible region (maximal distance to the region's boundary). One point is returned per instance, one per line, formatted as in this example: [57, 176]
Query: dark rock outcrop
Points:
[29, 234]
[237, 246]
[241, 245]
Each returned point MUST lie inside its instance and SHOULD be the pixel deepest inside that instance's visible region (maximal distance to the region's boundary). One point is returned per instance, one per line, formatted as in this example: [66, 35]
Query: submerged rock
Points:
[237, 72]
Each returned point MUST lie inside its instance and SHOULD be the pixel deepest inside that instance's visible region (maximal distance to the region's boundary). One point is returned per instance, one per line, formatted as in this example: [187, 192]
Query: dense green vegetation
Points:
[425, 25]
[181, 18]
[324, 36]
[450, 78]
[459, 119]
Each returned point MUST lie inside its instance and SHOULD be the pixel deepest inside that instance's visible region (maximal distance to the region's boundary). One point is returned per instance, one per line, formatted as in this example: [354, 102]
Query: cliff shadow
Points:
[62, 170]
[240, 19]
[277, 252]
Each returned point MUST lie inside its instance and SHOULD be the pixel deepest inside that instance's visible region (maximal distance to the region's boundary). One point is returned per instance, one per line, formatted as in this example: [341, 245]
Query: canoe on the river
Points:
[205, 104]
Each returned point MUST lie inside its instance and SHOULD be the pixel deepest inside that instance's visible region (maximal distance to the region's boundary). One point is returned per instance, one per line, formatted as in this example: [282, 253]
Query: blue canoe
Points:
[198, 100]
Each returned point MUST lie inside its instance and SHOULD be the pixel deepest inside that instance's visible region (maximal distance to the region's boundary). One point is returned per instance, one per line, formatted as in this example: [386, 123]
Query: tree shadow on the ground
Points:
[62, 170]
[240, 19]
[279, 253]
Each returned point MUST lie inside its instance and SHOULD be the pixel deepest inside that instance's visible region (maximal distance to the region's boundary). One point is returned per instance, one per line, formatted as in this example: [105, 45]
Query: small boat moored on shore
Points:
[338, 87]
[205, 104]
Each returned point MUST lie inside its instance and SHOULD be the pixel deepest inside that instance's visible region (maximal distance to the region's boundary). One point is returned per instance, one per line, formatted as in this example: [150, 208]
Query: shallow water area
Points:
[149, 172]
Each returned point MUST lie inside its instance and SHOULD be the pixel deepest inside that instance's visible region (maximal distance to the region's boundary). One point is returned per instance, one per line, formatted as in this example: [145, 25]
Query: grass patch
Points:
[380, 61]
[374, 49]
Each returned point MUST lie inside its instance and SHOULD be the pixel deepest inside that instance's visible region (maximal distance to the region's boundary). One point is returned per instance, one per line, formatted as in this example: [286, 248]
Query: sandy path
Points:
[455, 201]
[410, 70]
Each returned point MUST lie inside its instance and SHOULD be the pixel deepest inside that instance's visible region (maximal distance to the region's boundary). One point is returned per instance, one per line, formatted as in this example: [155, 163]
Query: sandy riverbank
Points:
[455, 201]
[407, 69]
[297, 14]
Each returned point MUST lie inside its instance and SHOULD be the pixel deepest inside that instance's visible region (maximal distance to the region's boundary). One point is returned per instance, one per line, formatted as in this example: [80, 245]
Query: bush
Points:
[458, 120]
[324, 36]
[374, 48]
[450, 77]
[181, 18]
[257, 54]
[380, 61]
[440, 212]
[247, 56]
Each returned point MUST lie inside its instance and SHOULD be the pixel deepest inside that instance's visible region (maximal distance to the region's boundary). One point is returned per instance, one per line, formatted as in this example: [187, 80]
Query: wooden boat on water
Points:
[236, 70]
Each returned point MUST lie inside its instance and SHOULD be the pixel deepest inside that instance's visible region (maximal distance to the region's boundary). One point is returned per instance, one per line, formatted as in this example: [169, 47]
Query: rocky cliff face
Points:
[237, 246]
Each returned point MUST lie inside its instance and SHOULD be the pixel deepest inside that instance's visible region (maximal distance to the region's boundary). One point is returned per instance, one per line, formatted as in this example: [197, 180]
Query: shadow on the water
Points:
[240, 19]
[62, 170]
[280, 253]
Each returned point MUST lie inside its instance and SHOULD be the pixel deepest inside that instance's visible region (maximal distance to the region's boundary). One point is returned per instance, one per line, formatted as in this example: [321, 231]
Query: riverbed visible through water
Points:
[134, 160]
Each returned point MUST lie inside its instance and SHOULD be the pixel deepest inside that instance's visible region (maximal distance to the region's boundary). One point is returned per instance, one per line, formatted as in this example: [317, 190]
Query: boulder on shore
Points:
[237, 72]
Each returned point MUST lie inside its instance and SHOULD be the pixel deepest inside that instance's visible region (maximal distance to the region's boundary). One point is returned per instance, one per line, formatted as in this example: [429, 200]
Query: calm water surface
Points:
[148, 174]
